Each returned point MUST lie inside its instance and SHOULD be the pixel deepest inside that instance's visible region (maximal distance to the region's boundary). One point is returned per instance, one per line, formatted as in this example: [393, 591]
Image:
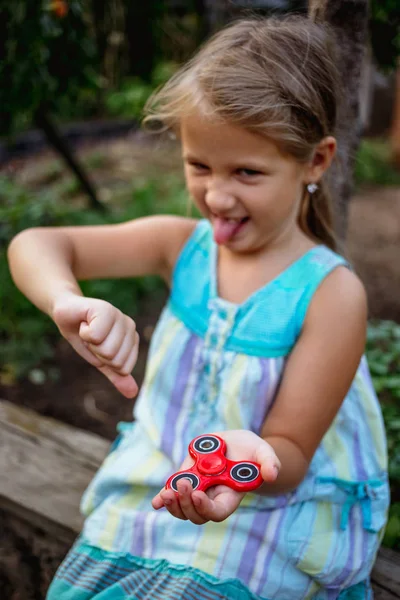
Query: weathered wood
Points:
[29, 558]
[45, 466]
[382, 594]
[86, 447]
[386, 573]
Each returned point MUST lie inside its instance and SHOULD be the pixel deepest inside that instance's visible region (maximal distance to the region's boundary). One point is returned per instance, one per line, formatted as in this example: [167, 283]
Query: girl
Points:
[261, 341]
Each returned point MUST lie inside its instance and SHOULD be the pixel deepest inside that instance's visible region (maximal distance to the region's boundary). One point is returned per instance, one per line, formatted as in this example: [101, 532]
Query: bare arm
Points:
[317, 376]
[41, 264]
[46, 265]
[46, 262]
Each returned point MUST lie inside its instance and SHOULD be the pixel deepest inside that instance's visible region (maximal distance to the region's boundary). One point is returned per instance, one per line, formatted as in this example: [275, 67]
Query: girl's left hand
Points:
[218, 502]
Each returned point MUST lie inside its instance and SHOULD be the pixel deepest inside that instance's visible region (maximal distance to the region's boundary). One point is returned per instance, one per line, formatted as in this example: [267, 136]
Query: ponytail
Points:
[315, 217]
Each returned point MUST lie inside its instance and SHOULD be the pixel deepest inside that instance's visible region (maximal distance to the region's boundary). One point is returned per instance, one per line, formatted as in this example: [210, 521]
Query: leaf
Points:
[392, 533]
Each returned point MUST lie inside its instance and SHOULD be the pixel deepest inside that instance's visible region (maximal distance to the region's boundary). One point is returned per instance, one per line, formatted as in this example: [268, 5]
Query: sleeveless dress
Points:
[214, 366]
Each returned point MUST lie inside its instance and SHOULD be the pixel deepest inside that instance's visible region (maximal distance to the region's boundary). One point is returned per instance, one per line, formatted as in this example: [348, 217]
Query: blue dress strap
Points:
[318, 264]
[269, 322]
[190, 288]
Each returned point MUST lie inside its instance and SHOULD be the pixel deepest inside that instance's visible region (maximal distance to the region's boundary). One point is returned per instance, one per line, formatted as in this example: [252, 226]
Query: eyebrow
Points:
[191, 158]
[246, 163]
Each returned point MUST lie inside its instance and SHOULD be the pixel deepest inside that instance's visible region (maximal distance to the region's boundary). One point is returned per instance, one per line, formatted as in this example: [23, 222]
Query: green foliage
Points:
[385, 31]
[373, 165]
[47, 58]
[27, 336]
[129, 99]
[383, 352]
[24, 332]
[392, 532]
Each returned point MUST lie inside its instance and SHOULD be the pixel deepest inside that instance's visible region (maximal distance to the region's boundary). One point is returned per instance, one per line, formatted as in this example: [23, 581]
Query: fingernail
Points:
[276, 471]
[167, 502]
[196, 501]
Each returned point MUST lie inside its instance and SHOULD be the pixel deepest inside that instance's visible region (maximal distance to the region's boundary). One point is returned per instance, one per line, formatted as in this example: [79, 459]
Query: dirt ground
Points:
[85, 399]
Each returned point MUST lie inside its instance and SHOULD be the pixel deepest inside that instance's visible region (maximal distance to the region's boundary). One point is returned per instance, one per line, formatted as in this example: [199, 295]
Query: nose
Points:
[219, 200]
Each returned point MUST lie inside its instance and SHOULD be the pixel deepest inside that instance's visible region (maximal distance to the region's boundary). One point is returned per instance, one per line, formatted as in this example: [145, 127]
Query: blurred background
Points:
[74, 77]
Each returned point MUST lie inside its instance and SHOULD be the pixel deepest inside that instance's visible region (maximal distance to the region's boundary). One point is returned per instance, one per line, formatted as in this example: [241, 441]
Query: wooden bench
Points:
[45, 466]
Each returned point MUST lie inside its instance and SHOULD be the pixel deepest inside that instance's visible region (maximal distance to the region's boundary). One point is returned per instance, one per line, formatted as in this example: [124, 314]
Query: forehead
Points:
[204, 137]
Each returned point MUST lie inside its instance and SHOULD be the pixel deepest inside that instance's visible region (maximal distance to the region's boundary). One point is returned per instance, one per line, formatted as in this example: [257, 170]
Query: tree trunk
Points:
[56, 140]
[141, 29]
[349, 19]
[219, 12]
[395, 130]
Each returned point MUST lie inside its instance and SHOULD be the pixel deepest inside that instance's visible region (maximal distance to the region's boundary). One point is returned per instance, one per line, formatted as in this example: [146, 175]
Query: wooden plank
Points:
[45, 467]
[28, 559]
[87, 447]
[381, 594]
[386, 573]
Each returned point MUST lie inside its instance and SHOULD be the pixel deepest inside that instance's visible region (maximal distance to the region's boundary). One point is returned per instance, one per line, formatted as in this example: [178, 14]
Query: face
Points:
[242, 183]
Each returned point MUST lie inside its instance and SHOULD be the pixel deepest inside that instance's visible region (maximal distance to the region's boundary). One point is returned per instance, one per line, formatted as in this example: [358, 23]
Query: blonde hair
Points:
[276, 77]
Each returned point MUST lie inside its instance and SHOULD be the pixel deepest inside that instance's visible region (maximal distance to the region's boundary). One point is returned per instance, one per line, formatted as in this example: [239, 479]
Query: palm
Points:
[220, 501]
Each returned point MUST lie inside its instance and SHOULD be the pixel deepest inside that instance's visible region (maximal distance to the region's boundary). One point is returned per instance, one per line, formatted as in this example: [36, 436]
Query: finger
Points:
[157, 501]
[82, 349]
[204, 505]
[217, 509]
[171, 503]
[96, 328]
[70, 313]
[169, 493]
[124, 383]
[125, 365]
[124, 351]
[185, 491]
[270, 463]
[110, 346]
[120, 349]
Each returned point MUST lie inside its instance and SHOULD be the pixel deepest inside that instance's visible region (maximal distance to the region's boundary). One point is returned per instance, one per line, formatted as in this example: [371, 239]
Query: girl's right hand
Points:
[102, 335]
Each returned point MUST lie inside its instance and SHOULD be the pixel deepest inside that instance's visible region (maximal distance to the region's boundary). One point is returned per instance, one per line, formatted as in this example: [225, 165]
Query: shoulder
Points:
[168, 233]
[177, 231]
[339, 300]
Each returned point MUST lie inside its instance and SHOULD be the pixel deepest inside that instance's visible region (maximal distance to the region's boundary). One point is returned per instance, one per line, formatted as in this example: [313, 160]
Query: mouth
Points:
[226, 229]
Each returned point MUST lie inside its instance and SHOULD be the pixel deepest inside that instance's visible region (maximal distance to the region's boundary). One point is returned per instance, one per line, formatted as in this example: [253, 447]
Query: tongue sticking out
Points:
[224, 229]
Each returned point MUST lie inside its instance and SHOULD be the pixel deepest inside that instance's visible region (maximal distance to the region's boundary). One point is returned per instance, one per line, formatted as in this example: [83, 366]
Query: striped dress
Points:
[215, 366]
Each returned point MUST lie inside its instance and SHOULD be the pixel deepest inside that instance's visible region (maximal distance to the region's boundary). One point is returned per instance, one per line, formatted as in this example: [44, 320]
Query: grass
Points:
[373, 164]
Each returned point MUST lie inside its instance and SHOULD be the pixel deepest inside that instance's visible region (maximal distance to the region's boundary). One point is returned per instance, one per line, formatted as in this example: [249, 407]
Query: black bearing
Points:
[206, 444]
[194, 480]
[244, 472]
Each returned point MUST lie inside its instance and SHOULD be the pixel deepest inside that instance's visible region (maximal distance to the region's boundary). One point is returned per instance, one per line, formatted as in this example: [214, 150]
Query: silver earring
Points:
[312, 187]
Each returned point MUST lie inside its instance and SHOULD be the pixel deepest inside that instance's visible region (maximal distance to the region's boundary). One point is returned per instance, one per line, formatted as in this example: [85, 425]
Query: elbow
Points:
[18, 243]
[21, 238]
[284, 484]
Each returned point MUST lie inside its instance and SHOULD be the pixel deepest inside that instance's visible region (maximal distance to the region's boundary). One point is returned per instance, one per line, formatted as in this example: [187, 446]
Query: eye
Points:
[248, 172]
[198, 166]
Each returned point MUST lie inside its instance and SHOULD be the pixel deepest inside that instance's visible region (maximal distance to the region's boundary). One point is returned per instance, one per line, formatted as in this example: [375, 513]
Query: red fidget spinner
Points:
[211, 467]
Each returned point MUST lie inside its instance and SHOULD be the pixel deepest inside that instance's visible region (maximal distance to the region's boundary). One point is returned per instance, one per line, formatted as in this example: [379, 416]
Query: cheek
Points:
[195, 189]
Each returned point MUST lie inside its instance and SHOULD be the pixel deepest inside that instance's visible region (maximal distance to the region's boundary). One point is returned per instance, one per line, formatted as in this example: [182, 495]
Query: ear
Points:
[321, 159]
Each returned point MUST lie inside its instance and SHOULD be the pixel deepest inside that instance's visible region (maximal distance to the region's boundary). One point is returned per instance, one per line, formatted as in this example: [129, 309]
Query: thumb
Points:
[270, 463]
[93, 330]
[124, 383]
[84, 330]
